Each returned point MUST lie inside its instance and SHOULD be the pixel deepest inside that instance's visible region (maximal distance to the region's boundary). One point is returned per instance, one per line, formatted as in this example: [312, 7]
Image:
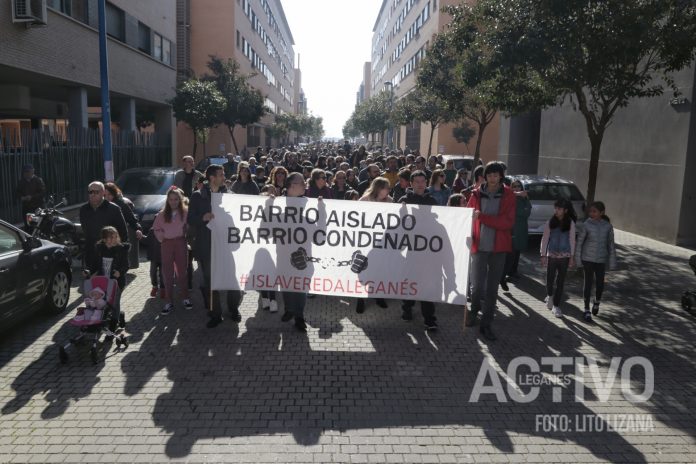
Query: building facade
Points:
[647, 162]
[49, 67]
[402, 33]
[255, 34]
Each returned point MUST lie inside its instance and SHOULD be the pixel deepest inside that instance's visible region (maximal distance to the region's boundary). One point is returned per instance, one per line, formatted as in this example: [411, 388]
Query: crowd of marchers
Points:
[501, 207]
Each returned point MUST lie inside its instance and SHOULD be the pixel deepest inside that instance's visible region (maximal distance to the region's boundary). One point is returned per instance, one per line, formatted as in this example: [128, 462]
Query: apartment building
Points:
[364, 89]
[402, 33]
[255, 34]
[49, 65]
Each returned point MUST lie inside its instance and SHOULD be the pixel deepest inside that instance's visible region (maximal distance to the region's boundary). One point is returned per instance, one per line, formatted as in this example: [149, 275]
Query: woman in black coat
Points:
[114, 194]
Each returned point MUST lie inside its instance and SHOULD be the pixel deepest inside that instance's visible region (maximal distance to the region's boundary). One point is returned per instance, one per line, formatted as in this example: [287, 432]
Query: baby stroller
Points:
[689, 297]
[100, 313]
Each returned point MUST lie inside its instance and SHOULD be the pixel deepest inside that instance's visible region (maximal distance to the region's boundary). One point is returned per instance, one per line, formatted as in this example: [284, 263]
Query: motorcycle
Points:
[50, 224]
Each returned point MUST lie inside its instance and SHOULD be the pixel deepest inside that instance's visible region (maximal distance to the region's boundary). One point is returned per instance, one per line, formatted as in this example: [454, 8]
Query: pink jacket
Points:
[169, 230]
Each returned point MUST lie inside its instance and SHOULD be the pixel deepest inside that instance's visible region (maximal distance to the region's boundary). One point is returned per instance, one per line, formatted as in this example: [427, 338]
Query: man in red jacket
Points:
[494, 218]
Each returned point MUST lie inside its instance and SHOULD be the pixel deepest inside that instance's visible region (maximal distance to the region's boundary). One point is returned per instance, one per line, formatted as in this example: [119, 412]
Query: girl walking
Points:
[112, 257]
[170, 229]
[558, 251]
[595, 250]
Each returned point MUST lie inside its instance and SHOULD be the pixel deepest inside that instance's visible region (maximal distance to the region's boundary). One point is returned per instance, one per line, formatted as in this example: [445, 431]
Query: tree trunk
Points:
[477, 153]
[596, 144]
[195, 144]
[430, 142]
[234, 142]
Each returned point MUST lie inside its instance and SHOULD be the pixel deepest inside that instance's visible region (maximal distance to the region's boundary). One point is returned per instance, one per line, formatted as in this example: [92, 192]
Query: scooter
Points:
[50, 224]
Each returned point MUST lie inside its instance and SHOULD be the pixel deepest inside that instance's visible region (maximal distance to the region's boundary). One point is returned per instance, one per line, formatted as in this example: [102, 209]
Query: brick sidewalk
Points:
[357, 387]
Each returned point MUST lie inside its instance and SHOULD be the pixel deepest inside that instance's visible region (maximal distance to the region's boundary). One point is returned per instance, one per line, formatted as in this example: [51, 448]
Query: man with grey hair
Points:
[96, 214]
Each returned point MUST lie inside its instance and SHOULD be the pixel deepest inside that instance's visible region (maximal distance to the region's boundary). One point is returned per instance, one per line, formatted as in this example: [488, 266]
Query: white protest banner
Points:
[343, 248]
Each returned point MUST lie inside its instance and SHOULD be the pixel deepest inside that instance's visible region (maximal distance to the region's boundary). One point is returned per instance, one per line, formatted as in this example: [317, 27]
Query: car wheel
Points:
[58, 291]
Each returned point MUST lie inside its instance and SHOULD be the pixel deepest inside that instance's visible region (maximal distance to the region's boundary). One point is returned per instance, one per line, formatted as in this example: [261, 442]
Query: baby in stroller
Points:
[100, 314]
[94, 306]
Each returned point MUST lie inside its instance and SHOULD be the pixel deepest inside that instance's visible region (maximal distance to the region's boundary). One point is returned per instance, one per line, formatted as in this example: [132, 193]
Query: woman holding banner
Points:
[277, 178]
[295, 301]
[377, 191]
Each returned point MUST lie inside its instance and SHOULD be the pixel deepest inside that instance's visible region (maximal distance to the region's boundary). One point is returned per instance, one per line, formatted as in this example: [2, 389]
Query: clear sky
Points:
[333, 40]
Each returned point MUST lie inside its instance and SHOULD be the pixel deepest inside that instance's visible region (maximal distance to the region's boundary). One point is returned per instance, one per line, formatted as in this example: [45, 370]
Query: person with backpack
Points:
[558, 252]
[595, 250]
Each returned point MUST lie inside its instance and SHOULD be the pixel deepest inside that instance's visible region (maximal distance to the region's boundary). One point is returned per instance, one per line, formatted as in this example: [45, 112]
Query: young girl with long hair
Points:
[378, 191]
[595, 250]
[112, 257]
[170, 229]
[558, 251]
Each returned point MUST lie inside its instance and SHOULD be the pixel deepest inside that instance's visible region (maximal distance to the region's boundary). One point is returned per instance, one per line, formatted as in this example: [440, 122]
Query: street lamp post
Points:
[389, 87]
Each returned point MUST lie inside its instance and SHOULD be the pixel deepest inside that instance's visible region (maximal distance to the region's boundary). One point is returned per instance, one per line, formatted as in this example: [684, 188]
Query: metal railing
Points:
[68, 161]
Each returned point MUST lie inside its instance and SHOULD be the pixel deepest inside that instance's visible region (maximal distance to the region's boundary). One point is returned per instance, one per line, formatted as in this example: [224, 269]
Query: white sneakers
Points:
[557, 311]
[549, 302]
[269, 305]
[188, 304]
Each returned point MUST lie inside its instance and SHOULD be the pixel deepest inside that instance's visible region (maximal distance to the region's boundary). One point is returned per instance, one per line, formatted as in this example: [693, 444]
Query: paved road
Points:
[362, 388]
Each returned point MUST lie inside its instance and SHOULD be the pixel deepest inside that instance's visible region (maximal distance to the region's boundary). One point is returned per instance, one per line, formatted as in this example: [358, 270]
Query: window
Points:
[76, 9]
[413, 132]
[237, 38]
[144, 44]
[253, 136]
[115, 22]
[166, 51]
[552, 192]
[9, 241]
[158, 47]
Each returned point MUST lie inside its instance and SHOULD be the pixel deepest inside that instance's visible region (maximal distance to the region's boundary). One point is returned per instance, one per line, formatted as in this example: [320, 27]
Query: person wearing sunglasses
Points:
[96, 214]
[318, 186]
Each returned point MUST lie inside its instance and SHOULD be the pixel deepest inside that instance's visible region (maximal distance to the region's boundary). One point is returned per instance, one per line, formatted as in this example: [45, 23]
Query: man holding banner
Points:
[418, 196]
[200, 216]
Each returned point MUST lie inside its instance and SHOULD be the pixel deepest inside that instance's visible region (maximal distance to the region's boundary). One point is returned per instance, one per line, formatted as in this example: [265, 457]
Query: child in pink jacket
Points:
[170, 229]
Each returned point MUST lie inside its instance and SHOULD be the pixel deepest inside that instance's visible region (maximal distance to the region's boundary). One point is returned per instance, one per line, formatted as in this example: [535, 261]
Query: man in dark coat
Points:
[96, 214]
[418, 196]
[31, 191]
[199, 214]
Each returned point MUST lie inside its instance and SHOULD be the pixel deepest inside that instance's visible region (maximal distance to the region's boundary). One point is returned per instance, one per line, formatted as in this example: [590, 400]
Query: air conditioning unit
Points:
[30, 12]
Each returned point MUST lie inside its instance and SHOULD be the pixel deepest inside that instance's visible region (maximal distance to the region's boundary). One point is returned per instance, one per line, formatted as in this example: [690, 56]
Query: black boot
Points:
[361, 306]
[381, 303]
[300, 324]
[488, 334]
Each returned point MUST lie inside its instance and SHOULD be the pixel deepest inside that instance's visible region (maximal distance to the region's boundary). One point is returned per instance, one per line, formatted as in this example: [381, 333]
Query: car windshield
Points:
[145, 182]
[552, 192]
[461, 163]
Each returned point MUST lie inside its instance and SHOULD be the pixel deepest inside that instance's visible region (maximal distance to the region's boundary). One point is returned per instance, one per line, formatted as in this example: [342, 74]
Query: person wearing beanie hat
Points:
[31, 191]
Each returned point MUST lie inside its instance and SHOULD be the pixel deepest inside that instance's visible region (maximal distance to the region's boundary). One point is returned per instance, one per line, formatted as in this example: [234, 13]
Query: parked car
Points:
[460, 161]
[147, 189]
[34, 274]
[208, 160]
[543, 192]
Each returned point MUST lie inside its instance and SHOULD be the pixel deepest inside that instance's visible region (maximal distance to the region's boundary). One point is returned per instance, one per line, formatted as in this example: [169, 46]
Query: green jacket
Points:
[519, 231]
